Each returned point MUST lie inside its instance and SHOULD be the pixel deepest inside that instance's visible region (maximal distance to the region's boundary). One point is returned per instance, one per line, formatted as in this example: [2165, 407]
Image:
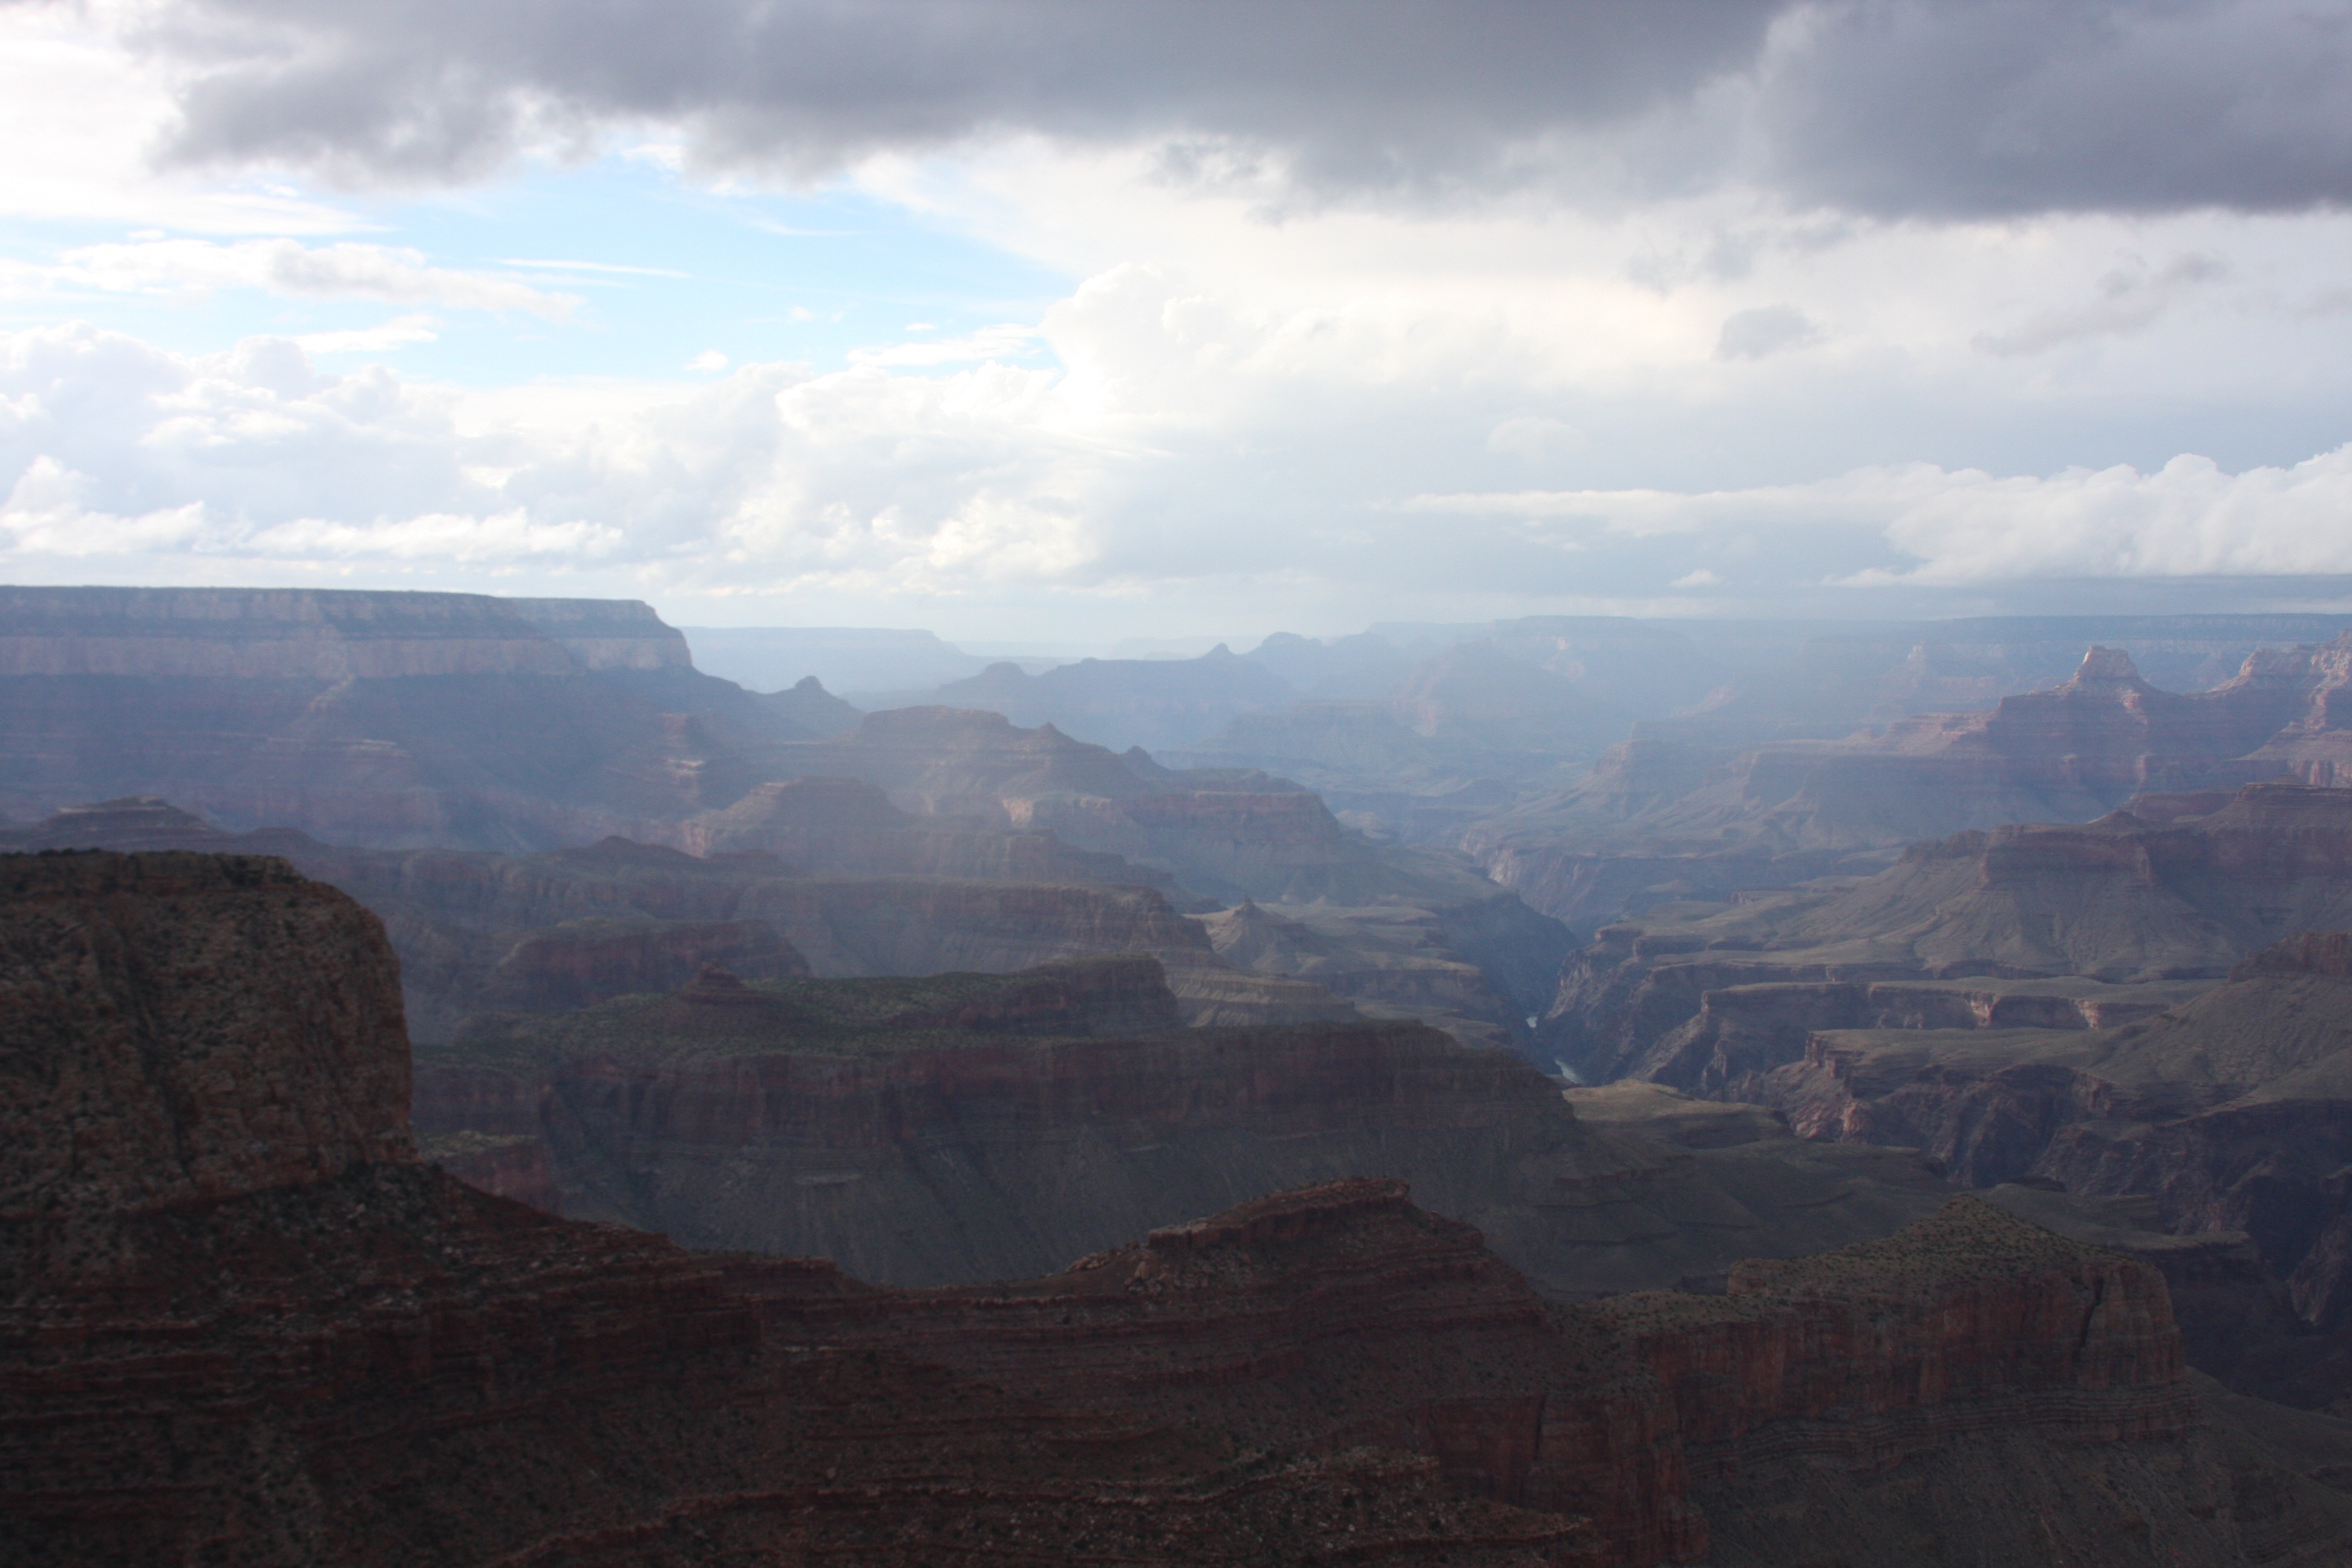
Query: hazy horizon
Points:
[1032, 324]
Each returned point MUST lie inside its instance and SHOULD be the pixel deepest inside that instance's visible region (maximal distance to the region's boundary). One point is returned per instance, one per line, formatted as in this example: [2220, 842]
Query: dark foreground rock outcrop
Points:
[328, 1352]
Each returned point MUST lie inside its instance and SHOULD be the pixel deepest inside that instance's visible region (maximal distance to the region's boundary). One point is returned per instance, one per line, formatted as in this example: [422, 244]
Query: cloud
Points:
[46, 513]
[1886, 107]
[1008, 340]
[1764, 332]
[2126, 300]
[84, 123]
[1152, 439]
[2187, 518]
[1534, 437]
[113, 447]
[398, 333]
[433, 89]
[1987, 108]
[340, 270]
[708, 361]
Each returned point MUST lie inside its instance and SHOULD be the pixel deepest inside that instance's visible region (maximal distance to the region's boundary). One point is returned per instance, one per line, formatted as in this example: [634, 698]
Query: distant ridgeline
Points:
[315, 634]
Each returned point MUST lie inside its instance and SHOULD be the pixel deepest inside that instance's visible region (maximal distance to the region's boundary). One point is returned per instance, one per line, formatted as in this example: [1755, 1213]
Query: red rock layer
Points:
[1661, 820]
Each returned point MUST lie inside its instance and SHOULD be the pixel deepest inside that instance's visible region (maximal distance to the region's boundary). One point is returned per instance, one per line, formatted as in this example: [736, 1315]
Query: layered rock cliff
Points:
[2118, 906]
[1235, 835]
[425, 721]
[849, 826]
[342, 1355]
[1228, 834]
[930, 1147]
[310, 634]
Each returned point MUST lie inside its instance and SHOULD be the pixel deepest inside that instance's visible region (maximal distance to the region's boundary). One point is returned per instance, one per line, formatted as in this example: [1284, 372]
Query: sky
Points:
[1066, 322]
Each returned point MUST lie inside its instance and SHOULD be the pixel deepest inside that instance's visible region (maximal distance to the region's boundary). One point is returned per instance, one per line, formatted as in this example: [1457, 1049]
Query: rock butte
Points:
[257, 1330]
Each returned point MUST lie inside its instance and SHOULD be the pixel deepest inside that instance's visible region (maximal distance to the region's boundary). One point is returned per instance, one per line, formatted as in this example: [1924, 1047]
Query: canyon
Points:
[1946, 1128]
[260, 1330]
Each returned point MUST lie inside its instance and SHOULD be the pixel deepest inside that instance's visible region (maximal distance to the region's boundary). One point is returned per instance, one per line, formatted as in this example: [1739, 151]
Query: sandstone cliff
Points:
[425, 721]
[1118, 702]
[309, 634]
[924, 1148]
[1232, 833]
[850, 827]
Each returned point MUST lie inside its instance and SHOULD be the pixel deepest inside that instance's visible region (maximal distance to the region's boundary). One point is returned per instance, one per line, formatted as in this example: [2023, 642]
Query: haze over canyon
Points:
[1928, 1030]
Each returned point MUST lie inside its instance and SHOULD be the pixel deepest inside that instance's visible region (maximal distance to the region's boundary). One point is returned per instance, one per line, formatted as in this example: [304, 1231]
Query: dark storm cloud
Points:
[1994, 107]
[1888, 107]
[1368, 93]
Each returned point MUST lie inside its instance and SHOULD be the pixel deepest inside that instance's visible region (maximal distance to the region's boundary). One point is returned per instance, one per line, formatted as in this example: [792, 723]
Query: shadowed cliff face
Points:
[986, 1129]
[479, 931]
[973, 1127]
[354, 1358]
